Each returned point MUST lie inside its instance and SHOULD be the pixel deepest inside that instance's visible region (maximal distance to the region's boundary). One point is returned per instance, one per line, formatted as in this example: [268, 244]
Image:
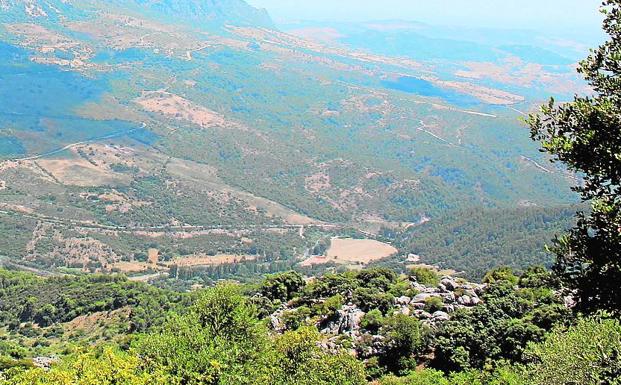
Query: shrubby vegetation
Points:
[586, 353]
[28, 299]
[220, 340]
[501, 328]
[521, 334]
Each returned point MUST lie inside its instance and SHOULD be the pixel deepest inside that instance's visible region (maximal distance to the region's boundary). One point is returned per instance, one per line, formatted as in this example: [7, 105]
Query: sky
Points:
[510, 14]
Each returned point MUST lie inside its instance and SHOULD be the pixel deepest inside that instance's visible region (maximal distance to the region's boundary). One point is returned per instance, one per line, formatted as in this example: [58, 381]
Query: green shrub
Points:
[433, 304]
[406, 337]
[294, 319]
[587, 353]
[329, 306]
[368, 299]
[300, 361]
[282, 286]
[425, 276]
[377, 278]
[401, 287]
[501, 274]
[500, 376]
[372, 321]
[423, 377]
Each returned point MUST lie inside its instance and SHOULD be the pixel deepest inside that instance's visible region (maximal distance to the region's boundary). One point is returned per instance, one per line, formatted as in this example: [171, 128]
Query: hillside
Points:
[193, 194]
[203, 14]
[354, 328]
[45, 316]
[139, 134]
[475, 241]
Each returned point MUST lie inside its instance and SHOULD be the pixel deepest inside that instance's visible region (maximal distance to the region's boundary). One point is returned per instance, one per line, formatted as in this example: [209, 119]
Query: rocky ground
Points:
[432, 305]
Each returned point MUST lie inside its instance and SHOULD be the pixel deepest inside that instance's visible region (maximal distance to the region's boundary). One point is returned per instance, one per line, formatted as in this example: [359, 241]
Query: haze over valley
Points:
[152, 137]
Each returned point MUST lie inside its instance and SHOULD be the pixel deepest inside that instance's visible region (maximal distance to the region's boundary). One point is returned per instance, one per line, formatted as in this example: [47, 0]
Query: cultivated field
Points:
[353, 251]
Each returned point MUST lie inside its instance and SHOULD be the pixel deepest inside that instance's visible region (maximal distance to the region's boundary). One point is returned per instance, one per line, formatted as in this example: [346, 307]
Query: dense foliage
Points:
[585, 135]
[224, 337]
[59, 315]
[220, 340]
[502, 327]
[28, 299]
[587, 353]
[477, 240]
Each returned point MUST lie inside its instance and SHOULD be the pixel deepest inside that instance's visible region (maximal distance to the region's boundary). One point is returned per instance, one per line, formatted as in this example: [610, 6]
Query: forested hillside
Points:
[200, 199]
[476, 240]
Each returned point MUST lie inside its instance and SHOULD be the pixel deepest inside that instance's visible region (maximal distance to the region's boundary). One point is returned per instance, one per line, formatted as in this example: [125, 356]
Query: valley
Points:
[204, 192]
[124, 131]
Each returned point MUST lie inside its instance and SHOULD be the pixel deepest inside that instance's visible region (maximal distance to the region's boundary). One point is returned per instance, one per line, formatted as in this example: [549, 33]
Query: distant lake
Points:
[423, 87]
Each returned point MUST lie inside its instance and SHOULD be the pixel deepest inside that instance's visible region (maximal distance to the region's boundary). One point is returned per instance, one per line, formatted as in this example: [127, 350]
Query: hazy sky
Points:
[534, 14]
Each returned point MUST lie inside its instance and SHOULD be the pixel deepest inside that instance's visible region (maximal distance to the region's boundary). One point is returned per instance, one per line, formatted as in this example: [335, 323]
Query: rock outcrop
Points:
[431, 305]
[346, 321]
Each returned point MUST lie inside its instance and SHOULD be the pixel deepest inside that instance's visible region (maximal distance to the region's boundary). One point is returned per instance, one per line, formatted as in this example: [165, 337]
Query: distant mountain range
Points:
[202, 13]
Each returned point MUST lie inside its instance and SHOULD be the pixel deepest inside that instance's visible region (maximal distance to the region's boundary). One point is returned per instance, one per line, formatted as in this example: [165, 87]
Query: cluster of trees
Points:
[514, 313]
[368, 289]
[586, 353]
[220, 340]
[497, 340]
[477, 240]
[520, 335]
[243, 270]
[26, 299]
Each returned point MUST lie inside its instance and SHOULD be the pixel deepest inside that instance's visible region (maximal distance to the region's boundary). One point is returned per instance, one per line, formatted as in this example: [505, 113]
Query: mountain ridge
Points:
[202, 13]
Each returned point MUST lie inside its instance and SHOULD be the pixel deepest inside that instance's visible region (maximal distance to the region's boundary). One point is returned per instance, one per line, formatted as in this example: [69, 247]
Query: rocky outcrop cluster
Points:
[452, 293]
[346, 321]
[432, 305]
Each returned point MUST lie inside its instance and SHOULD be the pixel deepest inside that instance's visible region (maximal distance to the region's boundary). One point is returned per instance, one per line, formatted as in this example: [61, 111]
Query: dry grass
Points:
[79, 172]
[45, 40]
[130, 267]
[154, 256]
[514, 71]
[89, 324]
[318, 182]
[216, 260]
[16, 208]
[176, 107]
[322, 35]
[485, 94]
[353, 251]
